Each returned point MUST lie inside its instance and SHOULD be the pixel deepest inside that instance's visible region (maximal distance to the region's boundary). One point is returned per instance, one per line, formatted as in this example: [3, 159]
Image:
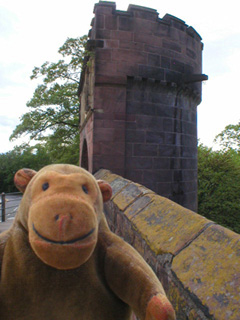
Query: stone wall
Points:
[197, 261]
[142, 86]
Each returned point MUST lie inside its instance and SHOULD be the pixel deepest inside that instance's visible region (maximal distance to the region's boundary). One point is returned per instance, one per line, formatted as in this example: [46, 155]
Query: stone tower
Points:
[139, 94]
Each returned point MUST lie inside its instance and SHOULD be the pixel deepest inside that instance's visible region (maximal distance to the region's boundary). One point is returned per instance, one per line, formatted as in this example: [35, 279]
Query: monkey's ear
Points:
[22, 178]
[106, 190]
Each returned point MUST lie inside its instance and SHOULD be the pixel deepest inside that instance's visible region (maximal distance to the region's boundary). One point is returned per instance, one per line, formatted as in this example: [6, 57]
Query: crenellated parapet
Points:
[139, 43]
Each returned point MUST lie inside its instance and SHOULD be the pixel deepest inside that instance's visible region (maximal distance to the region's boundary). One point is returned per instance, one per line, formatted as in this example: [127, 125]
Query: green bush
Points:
[20, 157]
[219, 186]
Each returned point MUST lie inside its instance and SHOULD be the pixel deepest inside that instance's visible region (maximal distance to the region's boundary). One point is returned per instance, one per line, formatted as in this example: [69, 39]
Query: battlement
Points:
[145, 45]
[144, 13]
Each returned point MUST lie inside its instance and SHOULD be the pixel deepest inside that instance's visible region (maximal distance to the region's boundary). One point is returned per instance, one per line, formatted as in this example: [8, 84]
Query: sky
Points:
[32, 31]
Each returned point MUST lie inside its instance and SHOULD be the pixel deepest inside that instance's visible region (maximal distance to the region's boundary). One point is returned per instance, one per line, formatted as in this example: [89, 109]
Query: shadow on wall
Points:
[196, 260]
[84, 160]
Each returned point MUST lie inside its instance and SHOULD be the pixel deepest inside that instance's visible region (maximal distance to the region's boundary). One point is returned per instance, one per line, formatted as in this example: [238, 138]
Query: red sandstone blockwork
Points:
[143, 68]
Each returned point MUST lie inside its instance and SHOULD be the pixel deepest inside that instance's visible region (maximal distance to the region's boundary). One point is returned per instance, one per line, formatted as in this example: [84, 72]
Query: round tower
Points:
[139, 95]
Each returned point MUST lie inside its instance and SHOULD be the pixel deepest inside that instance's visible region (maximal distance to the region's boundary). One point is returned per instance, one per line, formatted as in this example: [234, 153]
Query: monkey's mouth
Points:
[63, 242]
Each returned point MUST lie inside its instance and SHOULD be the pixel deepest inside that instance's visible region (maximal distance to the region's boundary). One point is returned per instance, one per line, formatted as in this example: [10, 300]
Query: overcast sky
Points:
[32, 31]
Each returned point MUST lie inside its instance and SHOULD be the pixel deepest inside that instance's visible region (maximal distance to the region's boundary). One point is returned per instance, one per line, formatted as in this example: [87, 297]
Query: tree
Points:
[219, 186]
[53, 118]
[229, 138]
[23, 156]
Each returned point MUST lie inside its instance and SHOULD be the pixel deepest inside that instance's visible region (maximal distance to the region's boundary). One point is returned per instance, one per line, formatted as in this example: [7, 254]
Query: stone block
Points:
[164, 189]
[139, 163]
[149, 150]
[189, 174]
[188, 115]
[111, 22]
[148, 122]
[140, 95]
[138, 46]
[189, 128]
[153, 177]
[188, 163]
[154, 137]
[108, 96]
[161, 225]
[166, 150]
[165, 62]
[189, 152]
[161, 29]
[161, 163]
[109, 80]
[112, 44]
[166, 98]
[131, 125]
[165, 110]
[190, 53]
[209, 269]
[169, 138]
[103, 134]
[100, 174]
[134, 175]
[126, 67]
[171, 45]
[154, 60]
[117, 148]
[177, 66]
[104, 7]
[129, 149]
[188, 140]
[139, 204]
[135, 136]
[127, 196]
[148, 40]
[146, 71]
[103, 54]
[103, 34]
[141, 26]
[122, 35]
[99, 21]
[168, 125]
[125, 23]
[119, 135]
[117, 124]
[130, 56]
[117, 184]
[173, 76]
[143, 12]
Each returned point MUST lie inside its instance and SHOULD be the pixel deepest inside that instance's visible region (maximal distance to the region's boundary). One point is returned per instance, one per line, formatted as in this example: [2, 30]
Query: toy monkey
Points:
[60, 261]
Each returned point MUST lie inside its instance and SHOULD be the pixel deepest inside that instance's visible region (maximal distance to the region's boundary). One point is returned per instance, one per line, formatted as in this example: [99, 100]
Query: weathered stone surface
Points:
[209, 268]
[197, 261]
[162, 222]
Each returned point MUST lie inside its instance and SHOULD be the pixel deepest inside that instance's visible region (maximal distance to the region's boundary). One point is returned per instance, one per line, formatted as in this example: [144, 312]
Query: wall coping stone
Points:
[105, 4]
[201, 259]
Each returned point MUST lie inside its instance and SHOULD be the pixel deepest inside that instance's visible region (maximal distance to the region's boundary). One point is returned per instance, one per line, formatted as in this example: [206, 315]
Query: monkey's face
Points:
[63, 218]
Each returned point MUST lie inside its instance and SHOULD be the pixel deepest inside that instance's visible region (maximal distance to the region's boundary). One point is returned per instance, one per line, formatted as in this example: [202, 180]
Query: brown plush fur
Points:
[60, 261]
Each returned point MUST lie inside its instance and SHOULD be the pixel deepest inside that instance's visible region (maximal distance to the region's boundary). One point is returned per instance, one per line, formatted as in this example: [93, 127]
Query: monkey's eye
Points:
[45, 186]
[85, 189]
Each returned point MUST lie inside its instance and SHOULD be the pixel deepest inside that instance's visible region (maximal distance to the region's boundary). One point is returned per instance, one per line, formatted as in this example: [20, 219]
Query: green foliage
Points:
[229, 138]
[219, 186]
[53, 116]
[22, 156]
